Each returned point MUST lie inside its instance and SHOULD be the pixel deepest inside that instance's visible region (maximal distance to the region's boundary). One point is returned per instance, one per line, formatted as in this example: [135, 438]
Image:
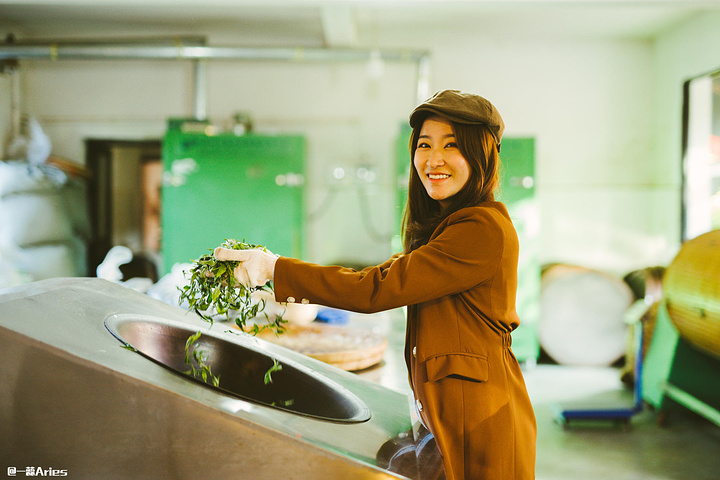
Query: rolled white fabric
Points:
[582, 316]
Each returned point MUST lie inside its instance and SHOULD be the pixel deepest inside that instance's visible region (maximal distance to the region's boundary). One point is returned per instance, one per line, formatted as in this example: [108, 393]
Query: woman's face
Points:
[438, 162]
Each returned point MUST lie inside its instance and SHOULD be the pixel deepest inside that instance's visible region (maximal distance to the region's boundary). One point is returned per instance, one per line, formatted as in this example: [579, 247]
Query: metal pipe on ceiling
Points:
[180, 50]
[200, 89]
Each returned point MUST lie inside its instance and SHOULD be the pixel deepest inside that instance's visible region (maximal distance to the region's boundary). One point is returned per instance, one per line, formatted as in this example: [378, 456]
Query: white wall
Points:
[685, 52]
[350, 120]
[589, 106]
[604, 115]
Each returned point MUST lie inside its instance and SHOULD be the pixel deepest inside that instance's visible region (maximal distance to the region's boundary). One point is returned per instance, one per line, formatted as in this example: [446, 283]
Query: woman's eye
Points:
[451, 145]
[423, 145]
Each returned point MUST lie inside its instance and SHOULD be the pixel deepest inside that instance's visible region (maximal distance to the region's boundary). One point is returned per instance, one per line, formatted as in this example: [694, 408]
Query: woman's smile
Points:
[438, 176]
[441, 167]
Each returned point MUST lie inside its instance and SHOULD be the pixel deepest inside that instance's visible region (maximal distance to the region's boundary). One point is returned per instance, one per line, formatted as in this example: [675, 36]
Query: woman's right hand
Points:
[256, 268]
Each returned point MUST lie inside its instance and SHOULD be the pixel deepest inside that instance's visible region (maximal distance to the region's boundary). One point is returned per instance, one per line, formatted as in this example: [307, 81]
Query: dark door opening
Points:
[124, 203]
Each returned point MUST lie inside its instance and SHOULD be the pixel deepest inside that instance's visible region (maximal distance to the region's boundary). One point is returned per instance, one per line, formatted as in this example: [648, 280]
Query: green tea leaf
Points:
[275, 368]
[213, 289]
[200, 358]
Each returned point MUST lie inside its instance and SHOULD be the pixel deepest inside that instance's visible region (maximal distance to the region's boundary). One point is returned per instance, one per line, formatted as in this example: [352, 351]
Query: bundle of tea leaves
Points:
[214, 290]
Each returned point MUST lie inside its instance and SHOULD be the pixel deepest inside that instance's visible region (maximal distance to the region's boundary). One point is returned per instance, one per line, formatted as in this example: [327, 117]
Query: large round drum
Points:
[582, 316]
[692, 292]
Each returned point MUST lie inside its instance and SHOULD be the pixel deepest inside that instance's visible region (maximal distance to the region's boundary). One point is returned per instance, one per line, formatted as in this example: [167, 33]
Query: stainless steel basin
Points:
[241, 369]
[72, 398]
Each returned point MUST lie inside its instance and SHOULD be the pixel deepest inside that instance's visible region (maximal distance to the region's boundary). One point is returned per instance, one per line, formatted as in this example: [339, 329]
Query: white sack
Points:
[10, 275]
[32, 219]
[32, 144]
[21, 177]
[166, 289]
[50, 261]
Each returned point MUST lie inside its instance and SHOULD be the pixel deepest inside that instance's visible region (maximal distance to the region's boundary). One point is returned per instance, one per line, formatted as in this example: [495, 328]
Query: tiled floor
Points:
[686, 447]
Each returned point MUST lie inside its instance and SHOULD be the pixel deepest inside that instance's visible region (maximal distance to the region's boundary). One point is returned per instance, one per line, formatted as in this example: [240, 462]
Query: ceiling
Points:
[347, 22]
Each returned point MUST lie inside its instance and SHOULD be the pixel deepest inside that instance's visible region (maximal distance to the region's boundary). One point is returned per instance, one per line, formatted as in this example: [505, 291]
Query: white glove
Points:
[256, 268]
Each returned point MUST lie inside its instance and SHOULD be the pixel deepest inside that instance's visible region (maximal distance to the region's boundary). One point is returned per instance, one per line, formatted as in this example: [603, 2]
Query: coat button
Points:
[291, 300]
[414, 351]
[418, 403]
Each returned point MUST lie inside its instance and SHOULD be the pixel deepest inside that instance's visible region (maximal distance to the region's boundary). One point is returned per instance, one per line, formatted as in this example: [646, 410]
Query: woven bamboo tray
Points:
[347, 348]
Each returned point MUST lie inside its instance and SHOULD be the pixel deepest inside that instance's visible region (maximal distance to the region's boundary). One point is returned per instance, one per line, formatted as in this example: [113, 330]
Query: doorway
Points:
[124, 203]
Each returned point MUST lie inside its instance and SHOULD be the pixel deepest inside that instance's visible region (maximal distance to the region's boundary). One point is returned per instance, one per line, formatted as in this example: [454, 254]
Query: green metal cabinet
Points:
[230, 186]
[517, 191]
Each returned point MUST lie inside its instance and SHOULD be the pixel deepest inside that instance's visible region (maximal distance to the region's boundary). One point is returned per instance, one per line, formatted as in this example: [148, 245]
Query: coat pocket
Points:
[465, 366]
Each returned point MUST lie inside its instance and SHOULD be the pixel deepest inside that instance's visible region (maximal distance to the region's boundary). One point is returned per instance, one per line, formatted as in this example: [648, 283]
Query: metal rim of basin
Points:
[347, 407]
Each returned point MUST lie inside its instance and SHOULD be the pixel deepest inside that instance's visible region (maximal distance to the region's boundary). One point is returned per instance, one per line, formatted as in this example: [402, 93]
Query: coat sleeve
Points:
[464, 251]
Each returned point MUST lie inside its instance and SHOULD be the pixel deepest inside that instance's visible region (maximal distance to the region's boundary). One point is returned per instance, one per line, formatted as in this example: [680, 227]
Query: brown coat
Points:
[460, 291]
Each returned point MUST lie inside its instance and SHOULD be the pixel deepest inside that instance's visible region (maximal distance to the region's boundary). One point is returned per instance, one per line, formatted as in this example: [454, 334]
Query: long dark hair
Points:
[423, 214]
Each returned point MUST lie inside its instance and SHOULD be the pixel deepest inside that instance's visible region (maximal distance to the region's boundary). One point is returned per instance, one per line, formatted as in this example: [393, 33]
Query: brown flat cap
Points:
[461, 107]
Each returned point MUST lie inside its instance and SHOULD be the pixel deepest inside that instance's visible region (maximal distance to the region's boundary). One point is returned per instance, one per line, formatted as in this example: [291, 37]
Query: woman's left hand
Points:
[256, 268]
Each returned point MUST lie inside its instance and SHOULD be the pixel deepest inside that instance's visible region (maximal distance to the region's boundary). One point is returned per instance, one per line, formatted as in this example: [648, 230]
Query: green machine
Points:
[677, 371]
[682, 363]
[219, 185]
[517, 191]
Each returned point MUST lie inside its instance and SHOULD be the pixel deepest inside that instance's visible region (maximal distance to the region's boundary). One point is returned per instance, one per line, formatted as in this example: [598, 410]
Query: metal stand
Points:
[621, 415]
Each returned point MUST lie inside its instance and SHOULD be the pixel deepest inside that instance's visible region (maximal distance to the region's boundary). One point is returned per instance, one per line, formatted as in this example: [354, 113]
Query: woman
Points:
[458, 277]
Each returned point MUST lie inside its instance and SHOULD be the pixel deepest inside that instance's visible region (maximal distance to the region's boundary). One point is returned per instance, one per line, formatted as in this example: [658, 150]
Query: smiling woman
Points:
[458, 278]
[441, 167]
[467, 130]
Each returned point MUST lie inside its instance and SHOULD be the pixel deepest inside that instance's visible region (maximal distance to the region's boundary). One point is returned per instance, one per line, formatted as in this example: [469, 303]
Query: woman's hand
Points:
[256, 267]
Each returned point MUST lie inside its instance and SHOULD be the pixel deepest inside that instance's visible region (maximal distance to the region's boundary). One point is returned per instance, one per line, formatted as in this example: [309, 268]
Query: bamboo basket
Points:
[692, 292]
